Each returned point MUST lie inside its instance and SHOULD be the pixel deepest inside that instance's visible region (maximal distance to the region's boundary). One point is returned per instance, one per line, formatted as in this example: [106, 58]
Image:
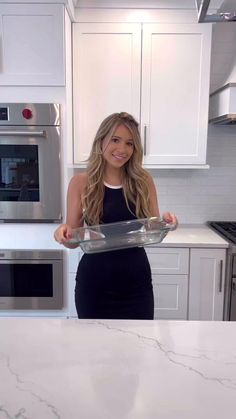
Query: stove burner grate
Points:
[226, 228]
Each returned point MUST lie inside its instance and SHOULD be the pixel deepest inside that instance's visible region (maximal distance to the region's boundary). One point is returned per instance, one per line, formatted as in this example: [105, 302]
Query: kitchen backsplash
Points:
[196, 196]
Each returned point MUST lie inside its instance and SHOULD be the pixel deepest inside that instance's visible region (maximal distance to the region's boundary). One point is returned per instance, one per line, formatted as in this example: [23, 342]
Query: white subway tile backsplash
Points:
[197, 196]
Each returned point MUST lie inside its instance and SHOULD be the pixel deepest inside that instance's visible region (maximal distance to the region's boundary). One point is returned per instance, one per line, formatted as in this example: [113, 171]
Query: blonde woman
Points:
[115, 187]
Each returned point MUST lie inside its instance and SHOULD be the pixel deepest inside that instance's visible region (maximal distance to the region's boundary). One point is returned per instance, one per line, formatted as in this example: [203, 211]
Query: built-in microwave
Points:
[30, 187]
[31, 279]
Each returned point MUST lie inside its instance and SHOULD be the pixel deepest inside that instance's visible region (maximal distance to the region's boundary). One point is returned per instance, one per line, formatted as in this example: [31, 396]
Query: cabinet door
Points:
[106, 78]
[32, 44]
[170, 296]
[206, 284]
[71, 296]
[175, 91]
[170, 267]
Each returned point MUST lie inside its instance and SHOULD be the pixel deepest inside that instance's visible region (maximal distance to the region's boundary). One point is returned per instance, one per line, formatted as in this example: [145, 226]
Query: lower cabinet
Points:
[170, 296]
[170, 267]
[206, 284]
[188, 283]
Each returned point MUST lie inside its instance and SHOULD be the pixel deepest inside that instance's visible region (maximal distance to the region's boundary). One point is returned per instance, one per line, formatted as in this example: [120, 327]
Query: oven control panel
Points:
[25, 114]
[4, 114]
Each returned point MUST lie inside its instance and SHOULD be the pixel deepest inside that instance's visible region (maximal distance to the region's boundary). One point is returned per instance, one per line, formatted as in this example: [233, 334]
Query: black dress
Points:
[115, 284]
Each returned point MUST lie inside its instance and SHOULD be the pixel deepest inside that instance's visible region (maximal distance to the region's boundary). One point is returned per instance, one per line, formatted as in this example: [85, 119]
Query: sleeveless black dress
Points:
[115, 284]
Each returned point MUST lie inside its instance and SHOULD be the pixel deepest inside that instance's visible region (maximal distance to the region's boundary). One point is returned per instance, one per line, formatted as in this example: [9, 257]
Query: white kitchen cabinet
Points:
[161, 77]
[32, 45]
[175, 93]
[170, 267]
[206, 284]
[74, 258]
[188, 283]
[107, 62]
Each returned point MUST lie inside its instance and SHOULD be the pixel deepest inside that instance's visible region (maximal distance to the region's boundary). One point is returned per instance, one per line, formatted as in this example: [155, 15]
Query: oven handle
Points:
[24, 133]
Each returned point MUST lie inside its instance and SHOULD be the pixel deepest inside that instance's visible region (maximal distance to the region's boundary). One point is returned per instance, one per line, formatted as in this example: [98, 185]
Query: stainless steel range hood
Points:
[222, 107]
[216, 10]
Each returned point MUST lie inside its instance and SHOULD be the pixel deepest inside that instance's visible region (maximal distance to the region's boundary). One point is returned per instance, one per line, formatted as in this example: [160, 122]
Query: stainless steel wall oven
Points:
[30, 187]
[31, 280]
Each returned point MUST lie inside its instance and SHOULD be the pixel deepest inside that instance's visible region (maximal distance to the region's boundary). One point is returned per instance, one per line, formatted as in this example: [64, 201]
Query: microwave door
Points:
[31, 284]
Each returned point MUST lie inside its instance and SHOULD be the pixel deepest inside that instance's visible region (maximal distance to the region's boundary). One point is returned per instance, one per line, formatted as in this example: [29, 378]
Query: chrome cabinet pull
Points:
[221, 276]
[145, 140]
[24, 133]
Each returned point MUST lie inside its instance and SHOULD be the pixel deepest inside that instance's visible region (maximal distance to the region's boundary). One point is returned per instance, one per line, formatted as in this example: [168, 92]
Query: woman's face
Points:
[118, 150]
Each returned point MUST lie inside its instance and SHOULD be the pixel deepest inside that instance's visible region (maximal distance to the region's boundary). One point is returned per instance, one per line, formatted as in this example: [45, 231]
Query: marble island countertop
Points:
[77, 369]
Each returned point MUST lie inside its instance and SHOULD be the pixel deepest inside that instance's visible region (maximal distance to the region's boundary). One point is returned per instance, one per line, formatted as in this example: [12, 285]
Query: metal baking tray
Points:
[121, 235]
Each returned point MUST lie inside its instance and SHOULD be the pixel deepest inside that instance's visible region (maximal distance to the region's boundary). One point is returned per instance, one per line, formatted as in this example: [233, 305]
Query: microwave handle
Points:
[24, 133]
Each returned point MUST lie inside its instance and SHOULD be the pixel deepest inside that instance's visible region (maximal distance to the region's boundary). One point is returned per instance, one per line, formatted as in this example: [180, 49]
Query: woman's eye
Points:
[130, 144]
[115, 140]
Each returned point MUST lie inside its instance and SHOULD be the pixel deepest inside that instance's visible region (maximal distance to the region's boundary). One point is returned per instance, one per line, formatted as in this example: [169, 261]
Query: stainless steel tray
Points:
[121, 235]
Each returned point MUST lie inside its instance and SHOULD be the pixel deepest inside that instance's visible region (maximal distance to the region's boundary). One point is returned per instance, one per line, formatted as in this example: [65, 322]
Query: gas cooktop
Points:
[226, 228]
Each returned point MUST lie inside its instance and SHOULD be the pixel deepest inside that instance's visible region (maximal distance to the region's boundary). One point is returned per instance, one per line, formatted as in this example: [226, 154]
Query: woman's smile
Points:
[119, 157]
[120, 147]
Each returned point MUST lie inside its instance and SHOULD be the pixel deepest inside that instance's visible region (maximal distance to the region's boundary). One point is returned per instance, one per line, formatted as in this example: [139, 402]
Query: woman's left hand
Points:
[170, 218]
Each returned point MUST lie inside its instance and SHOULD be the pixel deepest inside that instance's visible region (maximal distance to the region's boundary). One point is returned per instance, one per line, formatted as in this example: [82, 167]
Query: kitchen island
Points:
[110, 369]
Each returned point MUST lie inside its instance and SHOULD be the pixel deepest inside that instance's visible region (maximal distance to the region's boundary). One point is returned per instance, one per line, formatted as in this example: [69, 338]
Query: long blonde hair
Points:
[134, 177]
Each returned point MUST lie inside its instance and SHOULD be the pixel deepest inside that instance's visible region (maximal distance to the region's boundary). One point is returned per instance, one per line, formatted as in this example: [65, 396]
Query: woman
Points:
[115, 187]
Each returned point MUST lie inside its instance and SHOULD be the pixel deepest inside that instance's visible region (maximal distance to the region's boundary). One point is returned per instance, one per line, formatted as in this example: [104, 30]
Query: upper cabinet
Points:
[175, 92]
[32, 45]
[157, 72]
[107, 62]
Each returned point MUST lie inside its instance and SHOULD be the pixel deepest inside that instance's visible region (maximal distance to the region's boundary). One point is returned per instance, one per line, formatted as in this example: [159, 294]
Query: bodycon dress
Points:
[115, 284]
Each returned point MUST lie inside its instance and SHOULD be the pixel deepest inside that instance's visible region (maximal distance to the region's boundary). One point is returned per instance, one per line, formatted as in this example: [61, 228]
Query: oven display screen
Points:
[4, 114]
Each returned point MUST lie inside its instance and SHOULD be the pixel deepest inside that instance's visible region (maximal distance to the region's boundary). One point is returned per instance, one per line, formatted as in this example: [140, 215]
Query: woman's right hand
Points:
[63, 233]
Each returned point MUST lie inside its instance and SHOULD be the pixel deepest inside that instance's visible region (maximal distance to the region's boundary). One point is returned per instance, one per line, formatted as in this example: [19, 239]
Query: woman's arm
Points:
[154, 207]
[167, 216]
[74, 217]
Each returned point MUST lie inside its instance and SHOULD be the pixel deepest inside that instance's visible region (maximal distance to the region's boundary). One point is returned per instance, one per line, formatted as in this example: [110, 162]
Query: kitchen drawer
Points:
[168, 260]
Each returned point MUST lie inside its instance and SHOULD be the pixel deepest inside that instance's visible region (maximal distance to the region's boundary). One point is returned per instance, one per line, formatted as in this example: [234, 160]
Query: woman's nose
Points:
[122, 147]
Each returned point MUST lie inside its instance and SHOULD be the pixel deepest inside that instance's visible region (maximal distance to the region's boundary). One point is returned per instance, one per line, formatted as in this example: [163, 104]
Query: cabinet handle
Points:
[145, 140]
[221, 276]
[234, 284]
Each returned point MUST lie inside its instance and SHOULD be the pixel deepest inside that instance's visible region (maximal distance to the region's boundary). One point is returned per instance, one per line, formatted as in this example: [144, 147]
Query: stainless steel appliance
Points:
[30, 188]
[222, 106]
[216, 10]
[227, 229]
[31, 280]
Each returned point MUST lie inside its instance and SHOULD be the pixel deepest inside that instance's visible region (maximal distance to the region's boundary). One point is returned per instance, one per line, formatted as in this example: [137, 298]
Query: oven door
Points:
[30, 174]
[31, 284]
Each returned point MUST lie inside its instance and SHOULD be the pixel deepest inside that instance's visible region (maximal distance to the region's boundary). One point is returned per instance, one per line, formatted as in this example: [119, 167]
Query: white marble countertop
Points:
[40, 236]
[194, 235]
[70, 369]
